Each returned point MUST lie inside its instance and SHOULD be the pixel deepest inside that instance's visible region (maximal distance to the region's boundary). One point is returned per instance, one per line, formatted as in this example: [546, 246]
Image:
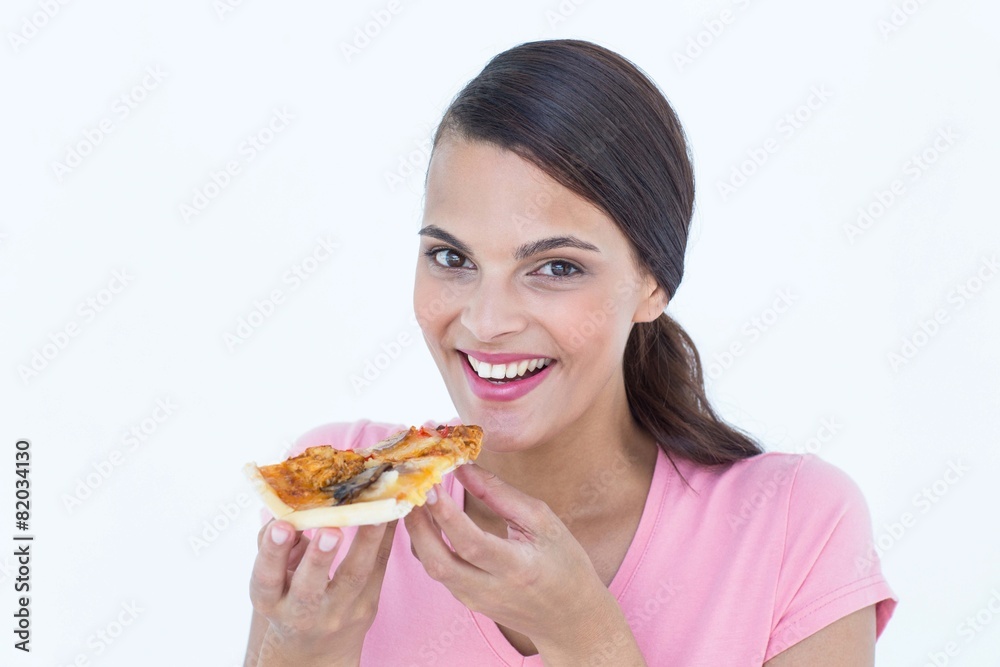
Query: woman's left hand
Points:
[539, 581]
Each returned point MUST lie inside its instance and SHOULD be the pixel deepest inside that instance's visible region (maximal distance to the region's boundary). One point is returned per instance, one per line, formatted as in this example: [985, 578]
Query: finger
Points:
[313, 572]
[298, 550]
[262, 532]
[373, 588]
[440, 562]
[353, 573]
[470, 542]
[270, 569]
[522, 512]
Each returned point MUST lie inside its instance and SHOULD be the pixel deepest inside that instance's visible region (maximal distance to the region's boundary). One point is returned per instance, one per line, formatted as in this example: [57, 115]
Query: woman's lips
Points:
[510, 389]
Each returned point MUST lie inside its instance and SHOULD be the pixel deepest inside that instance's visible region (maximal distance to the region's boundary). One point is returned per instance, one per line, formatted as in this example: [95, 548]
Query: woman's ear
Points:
[653, 303]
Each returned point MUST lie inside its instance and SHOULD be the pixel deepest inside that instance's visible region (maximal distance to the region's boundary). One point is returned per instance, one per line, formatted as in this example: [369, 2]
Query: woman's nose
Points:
[493, 310]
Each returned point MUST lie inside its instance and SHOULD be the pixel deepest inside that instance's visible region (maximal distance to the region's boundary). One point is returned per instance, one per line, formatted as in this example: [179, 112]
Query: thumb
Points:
[523, 513]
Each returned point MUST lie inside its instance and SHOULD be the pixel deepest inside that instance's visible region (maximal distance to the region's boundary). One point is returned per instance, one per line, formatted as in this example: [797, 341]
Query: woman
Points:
[612, 518]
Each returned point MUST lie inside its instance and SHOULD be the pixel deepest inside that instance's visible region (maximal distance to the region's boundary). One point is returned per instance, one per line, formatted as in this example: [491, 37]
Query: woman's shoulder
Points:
[350, 434]
[828, 563]
[802, 491]
[805, 475]
[806, 525]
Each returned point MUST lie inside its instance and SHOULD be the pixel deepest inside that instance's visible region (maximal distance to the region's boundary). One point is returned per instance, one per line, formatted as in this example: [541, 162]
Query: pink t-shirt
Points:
[761, 555]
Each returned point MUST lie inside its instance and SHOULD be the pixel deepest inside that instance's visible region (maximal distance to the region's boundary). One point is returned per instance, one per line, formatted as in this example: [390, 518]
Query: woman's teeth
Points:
[507, 371]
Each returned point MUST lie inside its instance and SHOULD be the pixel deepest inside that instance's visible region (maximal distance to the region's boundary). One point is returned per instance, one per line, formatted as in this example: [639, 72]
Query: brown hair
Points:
[598, 125]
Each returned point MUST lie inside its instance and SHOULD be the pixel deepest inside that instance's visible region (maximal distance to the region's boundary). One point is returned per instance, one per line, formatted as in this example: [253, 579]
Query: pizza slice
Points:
[324, 486]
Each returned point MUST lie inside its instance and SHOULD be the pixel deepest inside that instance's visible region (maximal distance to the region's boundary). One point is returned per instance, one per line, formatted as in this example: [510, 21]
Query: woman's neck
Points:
[599, 465]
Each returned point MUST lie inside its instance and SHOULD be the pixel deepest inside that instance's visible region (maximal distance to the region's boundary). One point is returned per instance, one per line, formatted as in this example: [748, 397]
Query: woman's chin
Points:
[502, 431]
[504, 443]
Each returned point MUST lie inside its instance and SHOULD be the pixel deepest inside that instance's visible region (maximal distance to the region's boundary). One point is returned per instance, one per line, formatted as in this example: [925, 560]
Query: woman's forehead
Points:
[481, 170]
[475, 189]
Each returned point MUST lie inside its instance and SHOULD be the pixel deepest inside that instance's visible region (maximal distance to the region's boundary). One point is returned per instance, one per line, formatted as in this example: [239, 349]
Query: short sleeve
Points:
[829, 566]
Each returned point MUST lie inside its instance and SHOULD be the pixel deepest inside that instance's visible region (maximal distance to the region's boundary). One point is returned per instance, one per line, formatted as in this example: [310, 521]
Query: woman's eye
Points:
[558, 268]
[451, 259]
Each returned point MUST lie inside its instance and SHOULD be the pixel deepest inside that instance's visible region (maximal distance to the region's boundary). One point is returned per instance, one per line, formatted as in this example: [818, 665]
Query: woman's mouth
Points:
[509, 372]
[506, 376]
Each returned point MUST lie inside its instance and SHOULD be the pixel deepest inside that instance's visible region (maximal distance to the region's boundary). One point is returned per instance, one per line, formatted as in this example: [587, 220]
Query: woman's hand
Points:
[539, 581]
[313, 619]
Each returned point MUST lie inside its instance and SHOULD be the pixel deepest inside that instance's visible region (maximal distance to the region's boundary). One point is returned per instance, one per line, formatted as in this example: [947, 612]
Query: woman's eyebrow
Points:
[436, 232]
[523, 251]
[543, 245]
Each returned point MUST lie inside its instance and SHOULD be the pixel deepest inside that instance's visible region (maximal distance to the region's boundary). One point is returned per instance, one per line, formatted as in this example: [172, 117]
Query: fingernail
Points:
[432, 496]
[279, 535]
[327, 541]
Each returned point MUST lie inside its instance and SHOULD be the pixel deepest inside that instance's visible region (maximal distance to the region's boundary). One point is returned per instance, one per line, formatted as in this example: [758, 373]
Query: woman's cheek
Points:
[438, 306]
[585, 323]
[428, 304]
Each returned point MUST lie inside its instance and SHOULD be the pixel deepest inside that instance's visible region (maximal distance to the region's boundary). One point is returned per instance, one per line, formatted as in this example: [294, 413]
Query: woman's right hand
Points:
[311, 618]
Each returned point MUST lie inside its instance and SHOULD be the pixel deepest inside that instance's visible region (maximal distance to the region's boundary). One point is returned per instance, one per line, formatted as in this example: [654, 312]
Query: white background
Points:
[356, 120]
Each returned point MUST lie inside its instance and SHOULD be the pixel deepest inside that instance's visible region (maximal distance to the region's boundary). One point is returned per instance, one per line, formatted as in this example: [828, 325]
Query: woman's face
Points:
[517, 272]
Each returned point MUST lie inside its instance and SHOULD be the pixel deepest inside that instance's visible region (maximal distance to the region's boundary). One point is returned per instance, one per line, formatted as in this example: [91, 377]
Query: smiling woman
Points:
[612, 517]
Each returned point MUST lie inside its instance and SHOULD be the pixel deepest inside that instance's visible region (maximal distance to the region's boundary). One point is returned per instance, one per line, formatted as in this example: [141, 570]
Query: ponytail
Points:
[666, 394]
